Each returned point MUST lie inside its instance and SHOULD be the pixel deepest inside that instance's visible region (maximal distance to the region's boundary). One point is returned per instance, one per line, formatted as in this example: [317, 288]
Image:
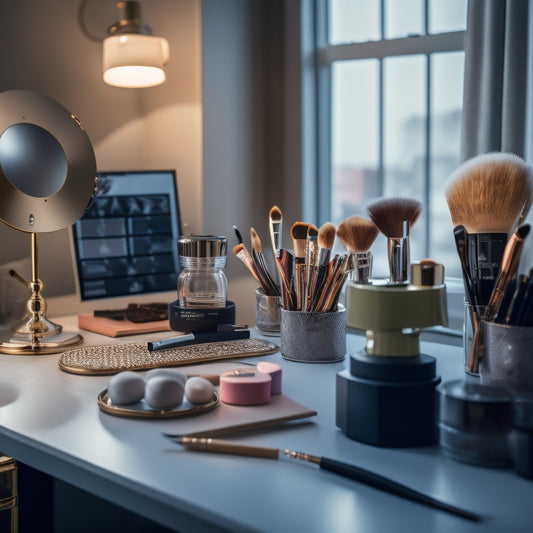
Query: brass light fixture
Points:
[132, 56]
[47, 181]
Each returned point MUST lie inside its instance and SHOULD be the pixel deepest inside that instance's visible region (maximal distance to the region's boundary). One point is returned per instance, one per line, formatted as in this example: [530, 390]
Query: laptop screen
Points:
[126, 243]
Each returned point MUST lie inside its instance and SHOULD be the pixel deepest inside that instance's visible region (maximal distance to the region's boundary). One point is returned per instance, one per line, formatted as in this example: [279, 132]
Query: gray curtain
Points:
[496, 77]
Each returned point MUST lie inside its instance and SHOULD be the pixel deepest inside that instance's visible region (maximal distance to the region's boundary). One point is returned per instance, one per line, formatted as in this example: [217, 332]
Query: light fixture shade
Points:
[134, 60]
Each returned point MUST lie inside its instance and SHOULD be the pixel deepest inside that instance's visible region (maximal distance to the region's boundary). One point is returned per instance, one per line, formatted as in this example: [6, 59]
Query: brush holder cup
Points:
[507, 359]
[313, 337]
[267, 314]
[387, 395]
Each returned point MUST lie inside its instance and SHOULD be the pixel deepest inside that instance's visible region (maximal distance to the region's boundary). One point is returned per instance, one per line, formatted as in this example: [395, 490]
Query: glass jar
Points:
[202, 282]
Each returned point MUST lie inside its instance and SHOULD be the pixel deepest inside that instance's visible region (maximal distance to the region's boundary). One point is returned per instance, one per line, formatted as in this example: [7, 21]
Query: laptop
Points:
[125, 246]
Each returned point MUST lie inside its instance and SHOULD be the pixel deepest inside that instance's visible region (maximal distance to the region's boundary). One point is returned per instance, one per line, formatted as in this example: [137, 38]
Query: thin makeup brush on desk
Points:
[299, 242]
[394, 217]
[358, 234]
[346, 470]
[260, 264]
[488, 195]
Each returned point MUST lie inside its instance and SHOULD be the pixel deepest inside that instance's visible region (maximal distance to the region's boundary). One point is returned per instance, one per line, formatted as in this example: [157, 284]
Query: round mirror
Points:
[28, 152]
[47, 163]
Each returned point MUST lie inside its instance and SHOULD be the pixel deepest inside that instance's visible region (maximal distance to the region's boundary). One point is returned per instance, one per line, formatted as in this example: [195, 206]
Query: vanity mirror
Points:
[47, 181]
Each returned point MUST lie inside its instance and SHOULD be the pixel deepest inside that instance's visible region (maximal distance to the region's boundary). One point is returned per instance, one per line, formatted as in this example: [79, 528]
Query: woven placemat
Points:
[112, 358]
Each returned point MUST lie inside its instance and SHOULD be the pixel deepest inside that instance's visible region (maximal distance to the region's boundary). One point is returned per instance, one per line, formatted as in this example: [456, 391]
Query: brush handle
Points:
[485, 253]
[388, 485]
[362, 272]
[398, 255]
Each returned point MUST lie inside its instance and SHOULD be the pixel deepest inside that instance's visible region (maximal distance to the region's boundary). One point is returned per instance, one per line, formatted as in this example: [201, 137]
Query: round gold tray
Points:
[143, 410]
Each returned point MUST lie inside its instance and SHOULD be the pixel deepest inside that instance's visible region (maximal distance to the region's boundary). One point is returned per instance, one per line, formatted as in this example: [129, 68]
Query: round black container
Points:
[475, 423]
[196, 319]
[388, 400]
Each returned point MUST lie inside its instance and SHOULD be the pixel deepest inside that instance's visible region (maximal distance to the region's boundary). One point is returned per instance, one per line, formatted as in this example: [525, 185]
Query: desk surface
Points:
[50, 420]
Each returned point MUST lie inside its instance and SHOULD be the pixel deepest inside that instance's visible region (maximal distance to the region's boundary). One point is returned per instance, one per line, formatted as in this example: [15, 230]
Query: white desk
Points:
[50, 421]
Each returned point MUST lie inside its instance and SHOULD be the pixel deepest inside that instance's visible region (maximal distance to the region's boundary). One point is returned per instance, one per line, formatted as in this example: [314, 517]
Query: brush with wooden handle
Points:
[311, 265]
[358, 234]
[299, 242]
[243, 254]
[261, 266]
[275, 224]
[394, 217]
[488, 195]
[508, 270]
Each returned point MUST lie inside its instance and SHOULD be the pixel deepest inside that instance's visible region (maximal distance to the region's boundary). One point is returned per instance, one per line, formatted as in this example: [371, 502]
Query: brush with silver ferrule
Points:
[299, 241]
[488, 195]
[275, 224]
[340, 468]
[394, 217]
[357, 234]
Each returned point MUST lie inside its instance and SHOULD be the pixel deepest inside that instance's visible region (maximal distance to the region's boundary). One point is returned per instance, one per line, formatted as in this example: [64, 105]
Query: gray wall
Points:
[218, 120]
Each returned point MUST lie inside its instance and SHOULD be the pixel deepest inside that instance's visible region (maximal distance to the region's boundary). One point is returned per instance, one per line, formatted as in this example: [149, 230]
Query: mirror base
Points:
[24, 344]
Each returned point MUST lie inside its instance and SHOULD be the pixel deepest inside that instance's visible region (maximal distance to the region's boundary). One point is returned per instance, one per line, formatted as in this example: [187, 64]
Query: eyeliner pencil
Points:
[343, 469]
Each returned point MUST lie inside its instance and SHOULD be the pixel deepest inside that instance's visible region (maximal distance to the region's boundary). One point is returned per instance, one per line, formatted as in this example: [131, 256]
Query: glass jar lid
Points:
[202, 246]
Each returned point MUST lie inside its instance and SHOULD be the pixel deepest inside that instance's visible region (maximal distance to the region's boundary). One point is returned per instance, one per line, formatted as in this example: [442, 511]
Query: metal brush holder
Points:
[47, 181]
[387, 395]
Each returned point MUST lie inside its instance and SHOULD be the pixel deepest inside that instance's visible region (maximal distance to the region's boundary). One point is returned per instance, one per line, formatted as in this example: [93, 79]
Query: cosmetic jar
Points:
[476, 422]
[202, 282]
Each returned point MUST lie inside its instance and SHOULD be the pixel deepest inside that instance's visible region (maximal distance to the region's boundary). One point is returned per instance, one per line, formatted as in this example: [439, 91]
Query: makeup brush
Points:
[299, 242]
[275, 226]
[357, 234]
[244, 255]
[311, 265]
[237, 234]
[394, 217]
[508, 269]
[489, 195]
[260, 264]
[346, 470]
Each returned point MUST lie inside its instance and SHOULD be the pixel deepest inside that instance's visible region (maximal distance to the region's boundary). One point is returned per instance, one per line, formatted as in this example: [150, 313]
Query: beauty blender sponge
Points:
[199, 390]
[245, 387]
[167, 372]
[126, 387]
[163, 392]
[274, 371]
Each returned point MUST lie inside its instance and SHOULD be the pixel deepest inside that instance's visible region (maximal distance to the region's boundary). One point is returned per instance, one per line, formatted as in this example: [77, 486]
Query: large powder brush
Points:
[490, 195]
[394, 217]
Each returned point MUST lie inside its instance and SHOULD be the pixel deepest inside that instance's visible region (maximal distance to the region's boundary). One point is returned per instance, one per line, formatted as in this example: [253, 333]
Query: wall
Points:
[156, 127]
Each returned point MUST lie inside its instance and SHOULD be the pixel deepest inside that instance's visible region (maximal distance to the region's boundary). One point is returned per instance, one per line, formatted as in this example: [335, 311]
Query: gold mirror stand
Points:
[35, 334]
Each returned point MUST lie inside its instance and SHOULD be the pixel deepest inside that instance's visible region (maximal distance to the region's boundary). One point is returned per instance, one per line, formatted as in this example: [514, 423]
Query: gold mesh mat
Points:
[113, 358]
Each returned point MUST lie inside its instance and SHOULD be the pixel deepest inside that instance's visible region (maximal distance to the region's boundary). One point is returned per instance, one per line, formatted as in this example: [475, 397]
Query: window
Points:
[390, 98]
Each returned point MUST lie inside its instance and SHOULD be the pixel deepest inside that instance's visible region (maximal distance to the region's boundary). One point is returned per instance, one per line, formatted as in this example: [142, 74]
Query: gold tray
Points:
[112, 358]
[142, 410]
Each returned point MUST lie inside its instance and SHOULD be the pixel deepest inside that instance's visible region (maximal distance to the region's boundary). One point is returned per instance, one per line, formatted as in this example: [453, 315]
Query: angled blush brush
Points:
[358, 234]
[394, 217]
[244, 255]
[488, 195]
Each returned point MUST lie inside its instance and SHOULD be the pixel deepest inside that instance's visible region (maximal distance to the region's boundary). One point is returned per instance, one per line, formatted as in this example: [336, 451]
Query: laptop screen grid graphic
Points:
[125, 244]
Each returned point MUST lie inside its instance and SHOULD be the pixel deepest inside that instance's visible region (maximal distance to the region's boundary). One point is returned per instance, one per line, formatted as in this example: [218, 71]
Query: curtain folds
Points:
[496, 77]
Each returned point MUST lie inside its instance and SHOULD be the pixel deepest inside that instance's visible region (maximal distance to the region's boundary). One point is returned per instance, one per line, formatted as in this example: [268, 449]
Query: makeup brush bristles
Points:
[490, 193]
[357, 234]
[326, 235]
[389, 214]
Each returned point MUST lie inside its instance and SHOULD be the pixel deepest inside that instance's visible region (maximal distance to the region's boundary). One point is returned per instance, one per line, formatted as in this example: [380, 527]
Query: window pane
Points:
[354, 21]
[355, 137]
[447, 15]
[404, 17]
[404, 136]
[446, 103]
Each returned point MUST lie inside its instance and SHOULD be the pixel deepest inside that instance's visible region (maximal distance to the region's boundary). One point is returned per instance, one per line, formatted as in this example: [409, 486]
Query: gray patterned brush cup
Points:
[507, 356]
[313, 337]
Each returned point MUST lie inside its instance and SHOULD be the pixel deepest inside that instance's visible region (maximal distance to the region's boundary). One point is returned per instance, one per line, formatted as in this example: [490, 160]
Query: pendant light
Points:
[132, 56]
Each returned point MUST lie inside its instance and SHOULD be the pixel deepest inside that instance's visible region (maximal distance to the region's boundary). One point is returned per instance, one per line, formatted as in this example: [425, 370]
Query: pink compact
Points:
[245, 386]
[274, 371]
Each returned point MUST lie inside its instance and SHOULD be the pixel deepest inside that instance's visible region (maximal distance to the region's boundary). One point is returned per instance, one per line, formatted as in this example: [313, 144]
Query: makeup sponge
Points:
[163, 392]
[245, 387]
[126, 387]
[167, 372]
[199, 390]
